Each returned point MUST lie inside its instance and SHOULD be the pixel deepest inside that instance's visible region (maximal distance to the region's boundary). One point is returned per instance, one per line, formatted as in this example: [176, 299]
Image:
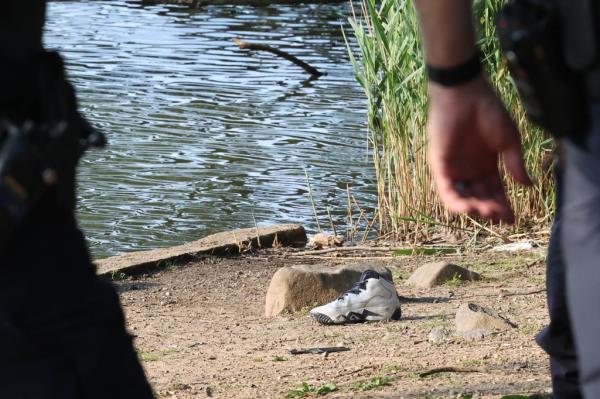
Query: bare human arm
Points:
[468, 126]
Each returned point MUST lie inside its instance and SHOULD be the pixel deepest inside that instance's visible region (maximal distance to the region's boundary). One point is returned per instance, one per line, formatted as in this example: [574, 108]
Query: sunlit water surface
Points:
[203, 136]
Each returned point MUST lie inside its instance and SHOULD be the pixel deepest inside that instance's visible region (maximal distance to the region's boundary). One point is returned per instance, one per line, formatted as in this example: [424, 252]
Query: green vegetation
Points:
[390, 70]
[454, 282]
[149, 356]
[118, 276]
[392, 368]
[473, 363]
[306, 390]
[424, 251]
[154, 356]
[305, 310]
[373, 383]
[166, 265]
[398, 274]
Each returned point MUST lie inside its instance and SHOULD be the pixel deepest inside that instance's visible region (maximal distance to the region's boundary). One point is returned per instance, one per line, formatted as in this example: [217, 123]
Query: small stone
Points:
[472, 317]
[438, 335]
[438, 273]
[515, 246]
[324, 240]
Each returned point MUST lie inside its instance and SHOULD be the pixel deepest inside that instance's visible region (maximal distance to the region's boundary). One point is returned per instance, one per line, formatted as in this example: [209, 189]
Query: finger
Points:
[512, 151]
[513, 159]
[497, 191]
[457, 201]
[483, 198]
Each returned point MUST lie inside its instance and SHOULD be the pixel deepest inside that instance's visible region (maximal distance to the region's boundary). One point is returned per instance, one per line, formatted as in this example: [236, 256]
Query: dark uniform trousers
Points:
[573, 275]
[62, 330]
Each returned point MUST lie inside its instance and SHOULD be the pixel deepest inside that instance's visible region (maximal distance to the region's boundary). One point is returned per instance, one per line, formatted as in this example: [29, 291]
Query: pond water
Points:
[203, 136]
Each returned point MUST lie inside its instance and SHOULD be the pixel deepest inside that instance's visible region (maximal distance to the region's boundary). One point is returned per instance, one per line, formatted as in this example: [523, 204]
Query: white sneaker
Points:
[372, 298]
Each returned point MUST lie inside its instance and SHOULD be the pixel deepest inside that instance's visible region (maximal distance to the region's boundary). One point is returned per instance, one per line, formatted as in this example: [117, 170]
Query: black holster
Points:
[42, 137]
[551, 48]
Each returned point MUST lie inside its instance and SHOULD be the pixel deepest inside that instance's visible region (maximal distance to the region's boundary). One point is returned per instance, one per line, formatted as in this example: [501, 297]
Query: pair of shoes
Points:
[372, 298]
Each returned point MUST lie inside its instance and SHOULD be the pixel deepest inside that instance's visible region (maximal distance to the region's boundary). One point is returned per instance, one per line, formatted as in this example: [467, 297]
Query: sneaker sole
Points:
[352, 318]
[323, 319]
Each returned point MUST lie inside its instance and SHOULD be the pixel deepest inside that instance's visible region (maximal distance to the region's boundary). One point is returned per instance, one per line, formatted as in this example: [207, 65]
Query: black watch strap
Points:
[457, 75]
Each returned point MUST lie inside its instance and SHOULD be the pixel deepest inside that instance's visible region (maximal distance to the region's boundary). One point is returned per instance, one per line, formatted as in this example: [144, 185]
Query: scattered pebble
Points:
[515, 246]
[438, 335]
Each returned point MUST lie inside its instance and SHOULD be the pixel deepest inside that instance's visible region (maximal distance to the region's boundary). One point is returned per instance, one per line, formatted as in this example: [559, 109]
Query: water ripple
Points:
[203, 136]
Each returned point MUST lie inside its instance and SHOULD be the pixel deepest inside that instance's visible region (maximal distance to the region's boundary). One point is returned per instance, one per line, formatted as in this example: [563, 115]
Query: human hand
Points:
[468, 129]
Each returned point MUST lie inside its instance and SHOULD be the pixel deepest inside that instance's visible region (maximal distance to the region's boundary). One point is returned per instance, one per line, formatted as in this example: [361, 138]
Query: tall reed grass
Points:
[389, 67]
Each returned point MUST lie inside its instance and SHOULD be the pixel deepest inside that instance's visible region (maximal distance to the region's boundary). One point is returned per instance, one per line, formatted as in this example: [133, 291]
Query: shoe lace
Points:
[355, 289]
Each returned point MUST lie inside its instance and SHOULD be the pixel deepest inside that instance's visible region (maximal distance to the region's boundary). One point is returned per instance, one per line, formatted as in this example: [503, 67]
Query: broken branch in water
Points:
[261, 47]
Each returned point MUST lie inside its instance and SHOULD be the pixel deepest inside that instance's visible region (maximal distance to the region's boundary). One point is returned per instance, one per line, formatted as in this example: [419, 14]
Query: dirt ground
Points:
[200, 332]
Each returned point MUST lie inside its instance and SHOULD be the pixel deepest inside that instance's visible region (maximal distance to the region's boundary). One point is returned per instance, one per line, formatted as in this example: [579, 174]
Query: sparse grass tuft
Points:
[398, 274]
[166, 265]
[392, 368]
[529, 329]
[118, 276]
[414, 376]
[305, 310]
[149, 356]
[473, 363]
[454, 282]
[373, 383]
[305, 390]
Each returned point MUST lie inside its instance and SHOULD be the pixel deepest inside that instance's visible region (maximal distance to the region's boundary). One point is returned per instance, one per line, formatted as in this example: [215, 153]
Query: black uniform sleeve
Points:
[21, 28]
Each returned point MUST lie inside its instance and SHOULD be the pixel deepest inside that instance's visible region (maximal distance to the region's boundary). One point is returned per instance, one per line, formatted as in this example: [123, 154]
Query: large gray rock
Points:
[295, 287]
[438, 273]
[471, 317]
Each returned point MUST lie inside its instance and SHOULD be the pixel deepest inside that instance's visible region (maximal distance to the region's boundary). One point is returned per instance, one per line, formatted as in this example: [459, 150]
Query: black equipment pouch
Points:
[42, 137]
[578, 19]
[553, 95]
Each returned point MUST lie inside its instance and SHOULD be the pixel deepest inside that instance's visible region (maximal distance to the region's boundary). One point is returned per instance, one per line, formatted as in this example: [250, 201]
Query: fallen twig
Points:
[316, 351]
[505, 294]
[357, 370]
[261, 47]
[523, 293]
[492, 232]
[448, 370]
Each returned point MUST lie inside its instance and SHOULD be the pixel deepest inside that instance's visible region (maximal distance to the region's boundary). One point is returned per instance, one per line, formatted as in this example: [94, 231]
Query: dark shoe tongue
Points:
[367, 274]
